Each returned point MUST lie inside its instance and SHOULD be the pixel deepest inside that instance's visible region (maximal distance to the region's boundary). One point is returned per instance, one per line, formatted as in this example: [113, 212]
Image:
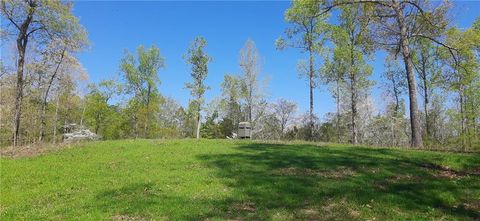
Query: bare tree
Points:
[250, 65]
[285, 111]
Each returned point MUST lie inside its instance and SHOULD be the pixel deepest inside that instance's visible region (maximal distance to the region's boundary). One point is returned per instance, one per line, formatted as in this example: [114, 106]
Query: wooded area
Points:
[431, 62]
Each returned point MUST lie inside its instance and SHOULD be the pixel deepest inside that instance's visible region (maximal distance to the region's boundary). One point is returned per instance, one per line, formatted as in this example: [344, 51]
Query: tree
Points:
[198, 60]
[230, 103]
[98, 110]
[142, 79]
[171, 118]
[211, 129]
[249, 63]
[58, 59]
[352, 42]
[395, 86]
[427, 66]
[396, 25]
[37, 21]
[284, 111]
[463, 78]
[307, 34]
[333, 74]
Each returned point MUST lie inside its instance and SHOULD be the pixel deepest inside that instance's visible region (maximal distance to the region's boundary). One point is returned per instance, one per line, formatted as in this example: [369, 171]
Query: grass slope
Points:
[221, 179]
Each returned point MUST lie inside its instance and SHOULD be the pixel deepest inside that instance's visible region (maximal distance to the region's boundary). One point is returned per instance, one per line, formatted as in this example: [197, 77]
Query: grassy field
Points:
[239, 180]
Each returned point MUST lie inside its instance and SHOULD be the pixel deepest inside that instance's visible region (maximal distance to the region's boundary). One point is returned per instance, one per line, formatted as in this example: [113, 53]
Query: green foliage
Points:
[463, 78]
[308, 26]
[52, 20]
[211, 129]
[308, 32]
[198, 59]
[141, 75]
[230, 103]
[103, 118]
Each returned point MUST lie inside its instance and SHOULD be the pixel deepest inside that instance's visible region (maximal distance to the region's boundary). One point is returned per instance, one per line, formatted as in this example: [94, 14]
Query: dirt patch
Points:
[385, 183]
[244, 206]
[127, 218]
[474, 171]
[339, 172]
[475, 206]
[310, 214]
[33, 150]
[445, 172]
[404, 177]
[337, 210]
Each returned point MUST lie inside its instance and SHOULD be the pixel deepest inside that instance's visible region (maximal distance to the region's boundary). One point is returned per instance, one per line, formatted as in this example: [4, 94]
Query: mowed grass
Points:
[239, 180]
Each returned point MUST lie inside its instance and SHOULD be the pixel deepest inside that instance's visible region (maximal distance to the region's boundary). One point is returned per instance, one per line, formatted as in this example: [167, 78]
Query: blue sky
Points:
[114, 26]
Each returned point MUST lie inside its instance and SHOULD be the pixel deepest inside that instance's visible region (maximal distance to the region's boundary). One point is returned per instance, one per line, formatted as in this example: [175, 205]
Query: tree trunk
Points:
[354, 111]
[412, 89]
[395, 111]
[353, 88]
[250, 101]
[44, 103]
[312, 86]
[337, 99]
[145, 129]
[198, 125]
[426, 102]
[462, 118]
[56, 119]
[83, 113]
[22, 41]
[136, 125]
[424, 78]
[473, 117]
[18, 96]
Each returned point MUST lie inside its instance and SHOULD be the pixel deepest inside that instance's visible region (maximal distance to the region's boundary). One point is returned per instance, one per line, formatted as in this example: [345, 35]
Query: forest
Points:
[431, 85]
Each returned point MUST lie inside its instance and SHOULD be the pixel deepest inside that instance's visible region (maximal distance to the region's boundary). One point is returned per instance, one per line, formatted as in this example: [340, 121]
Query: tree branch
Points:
[9, 16]
[326, 9]
[450, 49]
[34, 30]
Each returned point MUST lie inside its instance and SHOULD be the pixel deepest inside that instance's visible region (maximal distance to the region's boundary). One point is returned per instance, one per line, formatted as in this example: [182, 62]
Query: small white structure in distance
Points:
[73, 133]
[244, 130]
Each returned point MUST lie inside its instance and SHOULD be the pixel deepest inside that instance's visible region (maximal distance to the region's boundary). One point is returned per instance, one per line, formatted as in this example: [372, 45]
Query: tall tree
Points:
[58, 59]
[395, 86]
[307, 34]
[352, 42]
[427, 65]
[230, 103]
[198, 60]
[397, 24]
[333, 74]
[463, 78]
[142, 79]
[250, 65]
[37, 21]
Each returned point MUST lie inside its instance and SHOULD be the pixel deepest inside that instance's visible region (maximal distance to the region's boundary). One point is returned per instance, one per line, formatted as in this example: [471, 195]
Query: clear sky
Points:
[114, 26]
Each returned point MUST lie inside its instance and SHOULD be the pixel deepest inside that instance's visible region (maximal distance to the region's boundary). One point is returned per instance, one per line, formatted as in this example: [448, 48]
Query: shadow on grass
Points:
[342, 183]
[303, 182]
[146, 201]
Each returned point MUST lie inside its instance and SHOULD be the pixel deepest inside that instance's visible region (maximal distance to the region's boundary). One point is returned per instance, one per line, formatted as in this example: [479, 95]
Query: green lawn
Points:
[239, 180]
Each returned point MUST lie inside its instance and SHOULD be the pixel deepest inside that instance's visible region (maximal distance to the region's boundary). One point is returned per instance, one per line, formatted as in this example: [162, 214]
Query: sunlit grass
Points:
[222, 179]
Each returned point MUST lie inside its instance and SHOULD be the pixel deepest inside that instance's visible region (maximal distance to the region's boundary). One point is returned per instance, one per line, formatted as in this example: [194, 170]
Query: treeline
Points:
[431, 68]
